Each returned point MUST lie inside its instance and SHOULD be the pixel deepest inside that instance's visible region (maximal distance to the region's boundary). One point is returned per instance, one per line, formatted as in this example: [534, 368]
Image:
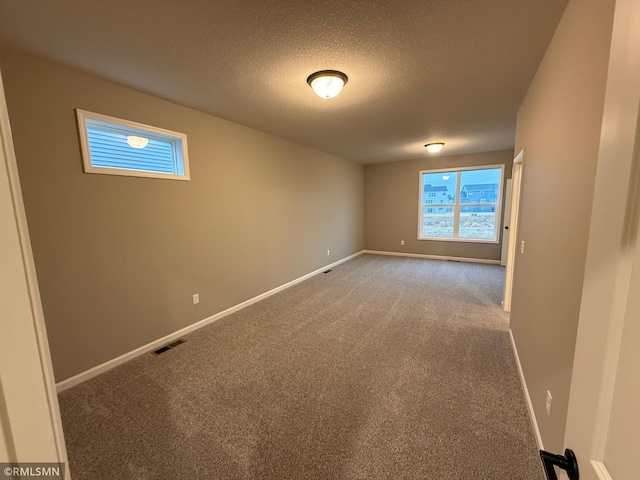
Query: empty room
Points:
[320, 240]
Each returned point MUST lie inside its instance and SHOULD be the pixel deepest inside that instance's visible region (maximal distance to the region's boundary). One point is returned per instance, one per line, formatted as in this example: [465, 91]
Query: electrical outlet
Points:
[547, 405]
[196, 298]
[401, 242]
[522, 246]
[328, 252]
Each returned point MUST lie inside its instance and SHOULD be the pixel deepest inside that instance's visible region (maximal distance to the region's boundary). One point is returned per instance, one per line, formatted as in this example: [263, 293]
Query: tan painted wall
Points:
[559, 127]
[118, 258]
[391, 206]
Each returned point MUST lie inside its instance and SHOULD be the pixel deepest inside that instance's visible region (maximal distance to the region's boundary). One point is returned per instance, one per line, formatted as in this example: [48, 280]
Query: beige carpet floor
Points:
[384, 368]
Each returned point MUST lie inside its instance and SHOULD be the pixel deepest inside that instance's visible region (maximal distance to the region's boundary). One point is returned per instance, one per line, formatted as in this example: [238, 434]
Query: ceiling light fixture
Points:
[327, 83]
[137, 142]
[434, 147]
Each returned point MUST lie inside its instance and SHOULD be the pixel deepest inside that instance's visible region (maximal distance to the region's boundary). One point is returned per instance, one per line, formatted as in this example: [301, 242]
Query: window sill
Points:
[460, 240]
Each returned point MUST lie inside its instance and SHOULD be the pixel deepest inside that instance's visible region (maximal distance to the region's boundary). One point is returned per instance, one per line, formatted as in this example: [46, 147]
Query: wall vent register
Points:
[168, 347]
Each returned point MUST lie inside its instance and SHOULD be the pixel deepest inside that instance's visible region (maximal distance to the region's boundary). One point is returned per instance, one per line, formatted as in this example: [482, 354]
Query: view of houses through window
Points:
[460, 204]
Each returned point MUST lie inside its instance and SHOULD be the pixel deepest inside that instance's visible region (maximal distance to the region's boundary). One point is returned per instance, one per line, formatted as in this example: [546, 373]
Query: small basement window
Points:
[114, 146]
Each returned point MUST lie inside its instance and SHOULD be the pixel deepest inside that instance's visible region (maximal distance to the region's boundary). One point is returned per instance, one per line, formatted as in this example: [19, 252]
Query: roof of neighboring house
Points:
[480, 186]
[435, 188]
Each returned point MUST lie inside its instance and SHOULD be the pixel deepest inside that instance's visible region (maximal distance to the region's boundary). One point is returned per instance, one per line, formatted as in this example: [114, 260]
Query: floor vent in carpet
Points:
[327, 271]
[169, 346]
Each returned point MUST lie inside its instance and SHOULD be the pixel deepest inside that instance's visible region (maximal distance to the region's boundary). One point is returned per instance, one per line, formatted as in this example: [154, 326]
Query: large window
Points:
[119, 147]
[460, 205]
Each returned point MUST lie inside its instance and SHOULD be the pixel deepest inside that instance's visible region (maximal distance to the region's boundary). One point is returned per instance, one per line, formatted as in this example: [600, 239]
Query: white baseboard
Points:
[601, 470]
[98, 369]
[434, 257]
[523, 382]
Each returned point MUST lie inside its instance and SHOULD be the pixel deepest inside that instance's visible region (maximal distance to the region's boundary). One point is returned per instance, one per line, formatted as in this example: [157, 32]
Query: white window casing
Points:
[452, 209]
[113, 146]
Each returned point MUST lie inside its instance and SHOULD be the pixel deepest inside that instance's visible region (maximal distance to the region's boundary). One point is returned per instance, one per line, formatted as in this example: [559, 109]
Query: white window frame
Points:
[181, 139]
[456, 206]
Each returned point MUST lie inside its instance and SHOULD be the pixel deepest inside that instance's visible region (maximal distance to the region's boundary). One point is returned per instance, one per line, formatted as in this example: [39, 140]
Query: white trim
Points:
[108, 365]
[457, 206]
[519, 157]
[523, 382]
[506, 234]
[601, 470]
[434, 257]
[516, 195]
[458, 239]
[8, 158]
[461, 169]
[181, 138]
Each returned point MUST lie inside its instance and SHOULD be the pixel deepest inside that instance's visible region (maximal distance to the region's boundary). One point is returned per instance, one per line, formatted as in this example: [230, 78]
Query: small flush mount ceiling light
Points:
[434, 147]
[137, 142]
[327, 83]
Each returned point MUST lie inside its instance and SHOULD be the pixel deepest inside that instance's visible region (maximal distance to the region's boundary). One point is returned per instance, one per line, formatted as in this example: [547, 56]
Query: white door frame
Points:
[610, 253]
[518, 165]
[29, 413]
[507, 215]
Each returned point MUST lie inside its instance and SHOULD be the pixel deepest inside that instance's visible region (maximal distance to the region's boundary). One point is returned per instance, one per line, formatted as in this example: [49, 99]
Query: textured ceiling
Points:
[419, 70]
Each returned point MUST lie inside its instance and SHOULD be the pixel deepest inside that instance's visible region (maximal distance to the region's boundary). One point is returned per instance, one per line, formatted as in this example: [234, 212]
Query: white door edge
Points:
[15, 437]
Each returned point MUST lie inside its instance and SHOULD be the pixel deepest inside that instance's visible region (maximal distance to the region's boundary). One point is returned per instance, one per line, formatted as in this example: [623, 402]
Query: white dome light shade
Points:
[434, 147]
[137, 142]
[327, 83]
